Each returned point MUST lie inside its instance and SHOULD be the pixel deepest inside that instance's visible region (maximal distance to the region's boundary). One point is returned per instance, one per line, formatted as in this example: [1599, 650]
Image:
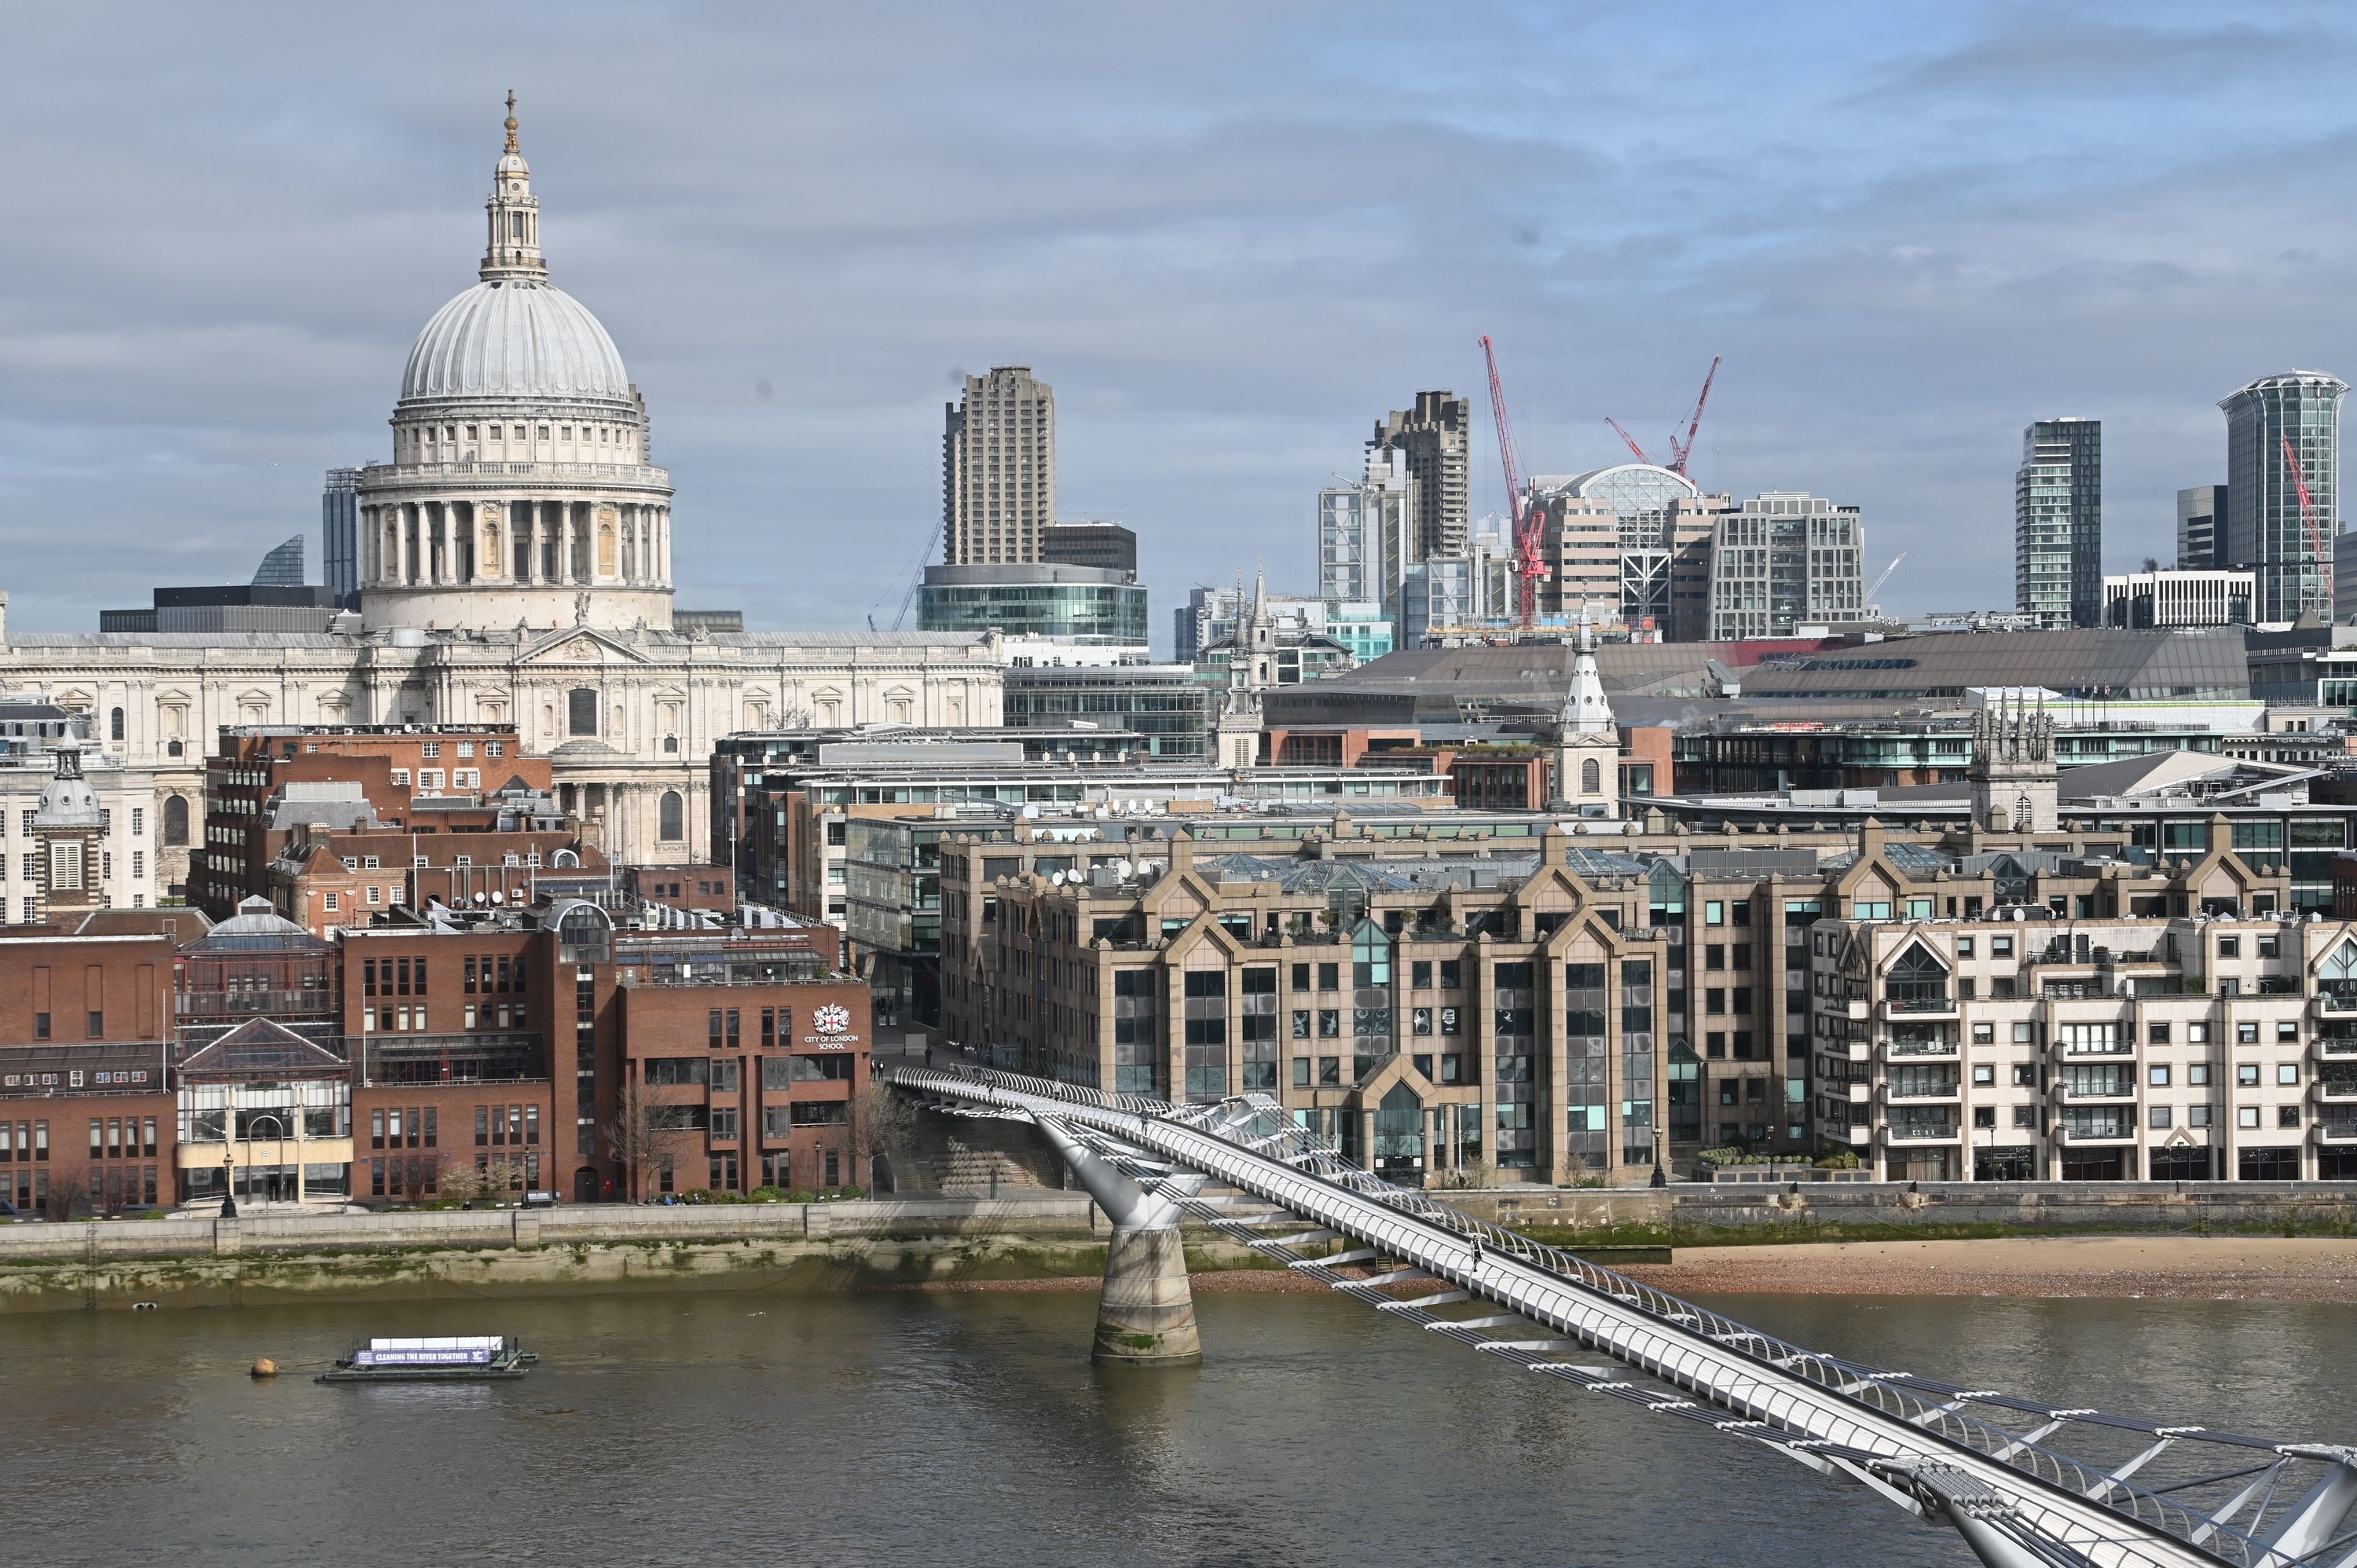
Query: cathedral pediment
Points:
[579, 645]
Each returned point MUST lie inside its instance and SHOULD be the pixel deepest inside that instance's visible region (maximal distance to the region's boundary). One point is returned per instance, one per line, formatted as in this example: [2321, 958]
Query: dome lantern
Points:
[512, 253]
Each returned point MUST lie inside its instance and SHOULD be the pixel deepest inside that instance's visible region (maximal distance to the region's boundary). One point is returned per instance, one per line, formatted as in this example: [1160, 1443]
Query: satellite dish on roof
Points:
[1056, 879]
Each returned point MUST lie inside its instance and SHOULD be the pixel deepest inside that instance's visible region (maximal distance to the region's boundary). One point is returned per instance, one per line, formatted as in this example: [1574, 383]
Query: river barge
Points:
[474, 1358]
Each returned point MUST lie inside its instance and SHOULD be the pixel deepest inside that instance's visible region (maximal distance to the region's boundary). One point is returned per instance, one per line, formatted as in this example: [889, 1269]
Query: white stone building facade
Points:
[515, 567]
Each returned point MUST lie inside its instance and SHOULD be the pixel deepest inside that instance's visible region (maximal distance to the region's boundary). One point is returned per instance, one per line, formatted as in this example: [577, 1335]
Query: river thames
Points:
[760, 1427]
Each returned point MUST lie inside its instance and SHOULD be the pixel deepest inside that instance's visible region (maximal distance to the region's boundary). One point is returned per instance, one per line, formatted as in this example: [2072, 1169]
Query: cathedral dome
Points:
[514, 338]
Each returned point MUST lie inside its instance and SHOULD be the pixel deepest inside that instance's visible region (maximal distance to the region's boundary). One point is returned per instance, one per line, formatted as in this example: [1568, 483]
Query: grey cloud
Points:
[1230, 242]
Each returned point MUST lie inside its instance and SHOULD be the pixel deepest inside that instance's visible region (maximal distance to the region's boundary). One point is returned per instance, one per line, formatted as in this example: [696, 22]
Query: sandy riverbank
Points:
[2196, 1268]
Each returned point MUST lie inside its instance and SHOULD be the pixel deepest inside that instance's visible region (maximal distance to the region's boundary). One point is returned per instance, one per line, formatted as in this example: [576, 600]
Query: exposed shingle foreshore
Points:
[2193, 1268]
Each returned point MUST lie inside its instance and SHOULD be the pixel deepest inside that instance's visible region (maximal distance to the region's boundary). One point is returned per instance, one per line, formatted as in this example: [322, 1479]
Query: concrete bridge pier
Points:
[1146, 1314]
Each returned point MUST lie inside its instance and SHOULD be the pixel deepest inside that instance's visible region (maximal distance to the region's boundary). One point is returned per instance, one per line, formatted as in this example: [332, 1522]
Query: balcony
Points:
[1922, 1093]
[2081, 1093]
[486, 1056]
[1923, 1133]
[240, 1004]
[1917, 1050]
[2335, 1004]
[2099, 1129]
[2337, 1085]
[1919, 1007]
[2337, 1129]
[378, 473]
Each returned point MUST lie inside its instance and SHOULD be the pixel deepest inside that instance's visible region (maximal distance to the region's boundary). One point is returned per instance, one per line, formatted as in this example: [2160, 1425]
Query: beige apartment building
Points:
[2192, 1031]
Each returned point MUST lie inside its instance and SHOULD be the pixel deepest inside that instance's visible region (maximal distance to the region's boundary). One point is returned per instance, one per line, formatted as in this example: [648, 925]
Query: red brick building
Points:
[323, 880]
[87, 1115]
[728, 1061]
[425, 778]
[423, 1059]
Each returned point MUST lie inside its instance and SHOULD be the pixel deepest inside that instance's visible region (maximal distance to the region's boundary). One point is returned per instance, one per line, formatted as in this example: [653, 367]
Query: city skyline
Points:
[166, 410]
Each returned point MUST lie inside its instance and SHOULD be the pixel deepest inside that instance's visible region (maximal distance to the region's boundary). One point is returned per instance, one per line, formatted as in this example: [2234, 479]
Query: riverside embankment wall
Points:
[905, 1241]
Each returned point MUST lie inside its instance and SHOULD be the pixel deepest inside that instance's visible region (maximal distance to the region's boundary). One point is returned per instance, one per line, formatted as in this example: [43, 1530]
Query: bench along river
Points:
[969, 1428]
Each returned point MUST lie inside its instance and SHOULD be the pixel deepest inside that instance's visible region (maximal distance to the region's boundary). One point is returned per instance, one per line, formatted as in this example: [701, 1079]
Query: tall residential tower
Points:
[2058, 524]
[2266, 528]
[998, 470]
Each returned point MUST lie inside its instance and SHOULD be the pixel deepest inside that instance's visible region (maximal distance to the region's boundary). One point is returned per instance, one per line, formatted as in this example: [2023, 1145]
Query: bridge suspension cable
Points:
[2147, 1493]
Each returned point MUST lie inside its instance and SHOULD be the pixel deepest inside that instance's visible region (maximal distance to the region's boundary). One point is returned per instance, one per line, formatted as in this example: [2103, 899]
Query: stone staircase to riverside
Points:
[964, 1157]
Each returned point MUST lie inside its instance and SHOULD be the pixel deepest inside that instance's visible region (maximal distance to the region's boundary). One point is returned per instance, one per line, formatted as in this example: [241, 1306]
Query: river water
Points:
[763, 1428]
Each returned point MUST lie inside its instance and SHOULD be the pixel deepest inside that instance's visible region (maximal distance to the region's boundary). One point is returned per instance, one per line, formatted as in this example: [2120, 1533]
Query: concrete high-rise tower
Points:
[1437, 438]
[2263, 529]
[2058, 524]
[998, 470]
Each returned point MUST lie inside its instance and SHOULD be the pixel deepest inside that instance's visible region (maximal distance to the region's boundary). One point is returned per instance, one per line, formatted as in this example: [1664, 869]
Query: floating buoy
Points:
[143, 1307]
[266, 1367]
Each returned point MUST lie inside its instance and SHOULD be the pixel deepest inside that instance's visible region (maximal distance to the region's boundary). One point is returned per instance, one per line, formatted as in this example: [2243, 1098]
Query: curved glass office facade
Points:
[1073, 604]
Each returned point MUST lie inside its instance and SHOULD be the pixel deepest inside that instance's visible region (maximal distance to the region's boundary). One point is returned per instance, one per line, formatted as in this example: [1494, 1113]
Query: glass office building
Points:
[1082, 605]
[2286, 544]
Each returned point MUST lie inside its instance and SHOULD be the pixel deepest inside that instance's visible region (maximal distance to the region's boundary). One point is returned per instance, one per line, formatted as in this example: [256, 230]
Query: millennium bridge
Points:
[2025, 1482]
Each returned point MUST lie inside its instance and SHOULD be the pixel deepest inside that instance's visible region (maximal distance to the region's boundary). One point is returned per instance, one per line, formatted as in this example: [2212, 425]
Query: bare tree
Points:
[1475, 1172]
[469, 1182]
[884, 1122]
[638, 1133]
[65, 1195]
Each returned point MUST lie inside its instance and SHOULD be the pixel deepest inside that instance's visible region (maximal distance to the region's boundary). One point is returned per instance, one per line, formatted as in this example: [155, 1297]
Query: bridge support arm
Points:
[1146, 1313]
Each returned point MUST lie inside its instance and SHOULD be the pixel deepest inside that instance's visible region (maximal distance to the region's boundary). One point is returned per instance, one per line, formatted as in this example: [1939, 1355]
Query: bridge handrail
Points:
[1887, 1393]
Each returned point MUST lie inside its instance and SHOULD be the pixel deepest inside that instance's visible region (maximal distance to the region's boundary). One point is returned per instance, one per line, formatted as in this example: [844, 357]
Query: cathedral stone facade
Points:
[515, 568]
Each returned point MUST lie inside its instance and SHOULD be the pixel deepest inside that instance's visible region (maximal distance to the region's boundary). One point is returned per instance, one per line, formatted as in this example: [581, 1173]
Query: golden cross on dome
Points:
[511, 121]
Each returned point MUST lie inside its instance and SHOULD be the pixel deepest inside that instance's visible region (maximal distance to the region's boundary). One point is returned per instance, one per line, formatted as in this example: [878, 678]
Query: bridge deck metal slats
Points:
[1780, 1381]
[1357, 1255]
[1441, 1298]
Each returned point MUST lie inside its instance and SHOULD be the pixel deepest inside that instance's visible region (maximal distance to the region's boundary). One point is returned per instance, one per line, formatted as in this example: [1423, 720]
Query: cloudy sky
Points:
[1231, 235]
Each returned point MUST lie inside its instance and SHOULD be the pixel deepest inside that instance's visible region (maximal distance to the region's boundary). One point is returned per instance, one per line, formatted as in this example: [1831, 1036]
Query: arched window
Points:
[174, 748]
[114, 725]
[176, 819]
[1370, 955]
[1399, 1130]
[1591, 777]
[581, 711]
[671, 825]
[671, 745]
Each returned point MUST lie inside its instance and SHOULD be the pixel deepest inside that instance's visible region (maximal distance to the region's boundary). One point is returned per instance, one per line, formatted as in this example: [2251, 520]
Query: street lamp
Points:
[1661, 1172]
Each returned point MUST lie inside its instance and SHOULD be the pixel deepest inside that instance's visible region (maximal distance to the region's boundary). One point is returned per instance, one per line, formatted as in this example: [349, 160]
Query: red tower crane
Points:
[2315, 540]
[1681, 450]
[1530, 561]
[1626, 439]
